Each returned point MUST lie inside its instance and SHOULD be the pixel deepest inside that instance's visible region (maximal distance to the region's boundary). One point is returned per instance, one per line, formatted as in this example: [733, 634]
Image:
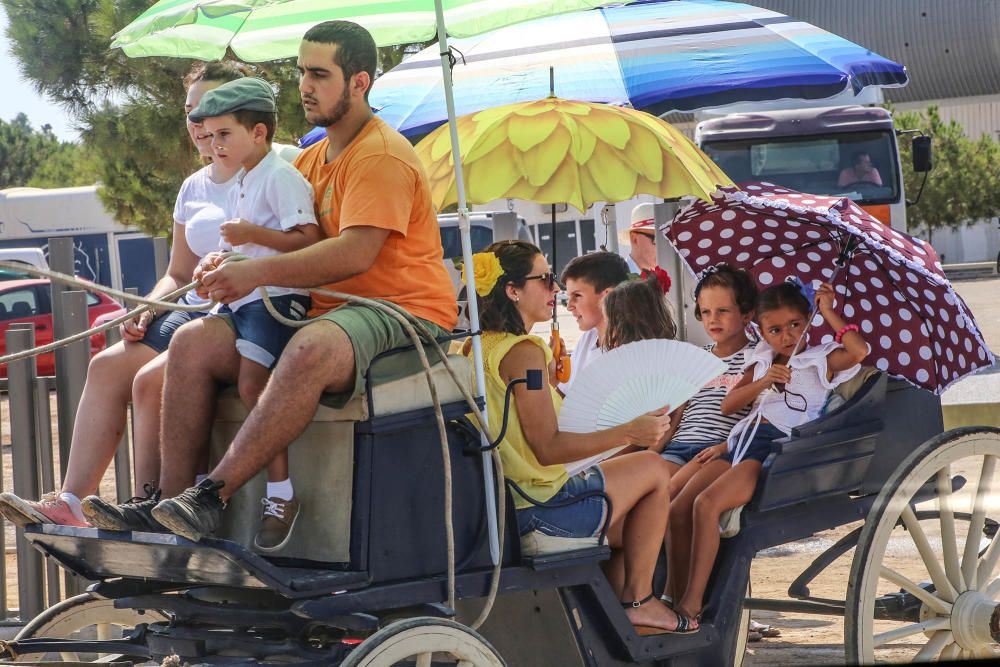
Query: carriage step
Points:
[98, 555]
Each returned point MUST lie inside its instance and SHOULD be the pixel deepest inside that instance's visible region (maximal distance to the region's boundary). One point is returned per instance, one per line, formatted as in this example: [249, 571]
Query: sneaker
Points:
[276, 523]
[50, 509]
[135, 514]
[193, 514]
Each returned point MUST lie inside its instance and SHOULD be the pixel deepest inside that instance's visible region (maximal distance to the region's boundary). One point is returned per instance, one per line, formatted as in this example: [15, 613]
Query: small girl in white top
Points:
[800, 379]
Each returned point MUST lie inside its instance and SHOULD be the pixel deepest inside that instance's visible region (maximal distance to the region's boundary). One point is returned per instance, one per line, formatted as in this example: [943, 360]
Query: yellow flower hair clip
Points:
[487, 271]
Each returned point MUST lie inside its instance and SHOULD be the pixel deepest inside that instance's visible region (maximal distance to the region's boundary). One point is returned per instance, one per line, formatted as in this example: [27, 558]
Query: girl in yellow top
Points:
[517, 290]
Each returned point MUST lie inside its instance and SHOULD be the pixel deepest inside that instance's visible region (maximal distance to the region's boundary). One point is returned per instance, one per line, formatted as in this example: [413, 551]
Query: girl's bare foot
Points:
[683, 609]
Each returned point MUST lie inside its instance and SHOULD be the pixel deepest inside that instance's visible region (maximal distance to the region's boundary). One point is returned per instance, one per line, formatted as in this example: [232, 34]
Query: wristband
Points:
[840, 334]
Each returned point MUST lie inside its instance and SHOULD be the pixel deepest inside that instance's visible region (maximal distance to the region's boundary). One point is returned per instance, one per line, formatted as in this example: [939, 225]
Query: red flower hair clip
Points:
[662, 278]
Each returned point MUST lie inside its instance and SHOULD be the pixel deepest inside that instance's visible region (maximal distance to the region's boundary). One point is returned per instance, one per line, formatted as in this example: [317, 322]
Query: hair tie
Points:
[662, 277]
[487, 271]
[705, 273]
[805, 289]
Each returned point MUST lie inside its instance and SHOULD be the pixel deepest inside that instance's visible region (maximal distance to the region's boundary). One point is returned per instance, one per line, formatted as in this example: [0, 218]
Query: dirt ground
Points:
[805, 639]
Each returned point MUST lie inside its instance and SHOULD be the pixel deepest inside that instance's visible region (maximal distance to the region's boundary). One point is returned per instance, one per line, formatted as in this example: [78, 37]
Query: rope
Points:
[414, 328]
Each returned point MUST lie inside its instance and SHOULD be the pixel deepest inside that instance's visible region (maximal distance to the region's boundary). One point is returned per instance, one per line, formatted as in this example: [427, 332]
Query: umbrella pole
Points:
[466, 236]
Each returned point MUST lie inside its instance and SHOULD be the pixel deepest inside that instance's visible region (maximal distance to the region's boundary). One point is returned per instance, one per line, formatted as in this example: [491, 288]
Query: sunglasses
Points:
[794, 401]
[549, 278]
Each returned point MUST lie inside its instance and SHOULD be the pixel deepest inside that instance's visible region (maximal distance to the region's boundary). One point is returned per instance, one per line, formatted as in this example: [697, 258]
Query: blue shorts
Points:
[760, 446]
[260, 337]
[163, 327]
[580, 519]
[681, 452]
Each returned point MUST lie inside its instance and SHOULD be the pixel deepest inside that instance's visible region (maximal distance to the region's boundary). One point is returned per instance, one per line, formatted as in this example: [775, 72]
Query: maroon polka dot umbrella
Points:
[888, 283]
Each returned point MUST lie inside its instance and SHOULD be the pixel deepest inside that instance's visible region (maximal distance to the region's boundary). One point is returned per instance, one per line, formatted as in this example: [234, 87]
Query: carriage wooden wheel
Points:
[424, 642]
[84, 616]
[946, 569]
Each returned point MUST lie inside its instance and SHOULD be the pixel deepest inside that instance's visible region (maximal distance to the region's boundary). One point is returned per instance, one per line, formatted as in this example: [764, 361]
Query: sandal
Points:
[683, 622]
[667, 600]
[763, 629]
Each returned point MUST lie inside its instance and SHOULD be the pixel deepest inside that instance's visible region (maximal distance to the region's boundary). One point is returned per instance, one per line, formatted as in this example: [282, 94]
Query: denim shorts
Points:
[681, 452]
[163, 327]
[580, 519]
[260, 337]
[760, 446]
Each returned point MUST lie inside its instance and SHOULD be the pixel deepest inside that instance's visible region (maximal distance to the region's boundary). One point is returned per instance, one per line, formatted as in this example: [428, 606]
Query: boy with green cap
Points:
[272, 212]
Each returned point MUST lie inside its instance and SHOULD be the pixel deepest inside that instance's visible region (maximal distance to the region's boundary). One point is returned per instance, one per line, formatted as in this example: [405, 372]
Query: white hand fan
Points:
[630, 381]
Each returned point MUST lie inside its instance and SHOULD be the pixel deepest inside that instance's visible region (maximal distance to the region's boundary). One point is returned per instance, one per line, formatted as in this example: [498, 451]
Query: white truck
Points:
[814, 150]
[105, 251]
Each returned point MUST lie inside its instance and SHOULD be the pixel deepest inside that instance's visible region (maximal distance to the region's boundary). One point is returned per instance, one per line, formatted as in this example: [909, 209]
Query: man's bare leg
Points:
[202, 354]
[320, 357]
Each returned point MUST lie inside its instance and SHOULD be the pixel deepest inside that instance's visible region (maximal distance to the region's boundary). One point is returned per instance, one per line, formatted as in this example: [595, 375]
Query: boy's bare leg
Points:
[253, 379]
[733, 488]
[320, 357]
[202, 355]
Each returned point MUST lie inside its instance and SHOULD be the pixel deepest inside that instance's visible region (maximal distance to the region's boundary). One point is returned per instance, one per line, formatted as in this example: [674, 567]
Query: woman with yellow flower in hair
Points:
[517, 290]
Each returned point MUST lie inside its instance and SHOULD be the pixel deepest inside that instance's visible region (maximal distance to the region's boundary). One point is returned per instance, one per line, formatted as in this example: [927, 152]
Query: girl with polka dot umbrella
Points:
[889, 284]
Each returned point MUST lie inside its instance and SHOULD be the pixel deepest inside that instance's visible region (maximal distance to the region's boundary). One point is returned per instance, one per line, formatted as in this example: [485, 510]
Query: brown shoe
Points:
[276, 522]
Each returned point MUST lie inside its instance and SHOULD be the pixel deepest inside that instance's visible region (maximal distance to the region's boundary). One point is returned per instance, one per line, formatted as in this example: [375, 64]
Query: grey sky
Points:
[18, 95]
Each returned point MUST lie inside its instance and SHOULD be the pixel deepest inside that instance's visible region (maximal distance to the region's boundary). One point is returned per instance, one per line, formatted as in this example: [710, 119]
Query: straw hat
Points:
[642, 221]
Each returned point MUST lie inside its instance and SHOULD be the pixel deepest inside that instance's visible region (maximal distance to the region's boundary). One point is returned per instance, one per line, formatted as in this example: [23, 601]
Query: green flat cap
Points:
[247, 93]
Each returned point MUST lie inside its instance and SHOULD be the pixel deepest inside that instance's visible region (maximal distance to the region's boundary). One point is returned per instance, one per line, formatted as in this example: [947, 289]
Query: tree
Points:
[31, 157]
[129, 110]
[964, 185]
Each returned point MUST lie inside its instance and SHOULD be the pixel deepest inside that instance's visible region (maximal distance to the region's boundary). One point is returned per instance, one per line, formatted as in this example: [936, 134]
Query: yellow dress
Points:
[519, 461]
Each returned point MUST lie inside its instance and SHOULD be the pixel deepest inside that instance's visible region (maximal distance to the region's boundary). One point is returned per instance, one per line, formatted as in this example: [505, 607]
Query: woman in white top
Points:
[132, 370]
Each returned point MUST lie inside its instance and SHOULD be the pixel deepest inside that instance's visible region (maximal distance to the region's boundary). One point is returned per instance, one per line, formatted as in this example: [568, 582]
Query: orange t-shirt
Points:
[378, 181]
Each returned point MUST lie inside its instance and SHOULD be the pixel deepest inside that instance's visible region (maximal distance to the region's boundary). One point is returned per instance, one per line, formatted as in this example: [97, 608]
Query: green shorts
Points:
[373, 332]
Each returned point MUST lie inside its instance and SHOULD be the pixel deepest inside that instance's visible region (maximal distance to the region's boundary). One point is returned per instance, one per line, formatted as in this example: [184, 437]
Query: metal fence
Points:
[32, 453]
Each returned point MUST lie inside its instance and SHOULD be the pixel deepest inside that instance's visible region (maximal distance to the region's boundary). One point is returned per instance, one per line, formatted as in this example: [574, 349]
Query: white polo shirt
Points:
[274, 195]
[587, 349]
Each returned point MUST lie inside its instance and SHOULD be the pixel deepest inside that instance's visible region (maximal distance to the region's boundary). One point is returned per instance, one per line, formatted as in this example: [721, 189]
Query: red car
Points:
[30, 301]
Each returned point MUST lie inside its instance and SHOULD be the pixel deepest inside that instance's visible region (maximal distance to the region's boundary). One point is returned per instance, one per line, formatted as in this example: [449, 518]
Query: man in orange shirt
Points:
[373, 202]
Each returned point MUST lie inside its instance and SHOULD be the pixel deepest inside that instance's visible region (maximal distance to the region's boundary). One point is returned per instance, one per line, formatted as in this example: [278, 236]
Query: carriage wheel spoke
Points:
[949, 541]
[424, 659]
[950, 652]
[988, 563]
[970, 559]
[912, 629]
[925, 596]
[933, 647]
[927, 554]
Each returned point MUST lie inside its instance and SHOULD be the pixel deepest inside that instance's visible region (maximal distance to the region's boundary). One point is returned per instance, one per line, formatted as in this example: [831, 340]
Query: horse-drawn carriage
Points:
[364, 580]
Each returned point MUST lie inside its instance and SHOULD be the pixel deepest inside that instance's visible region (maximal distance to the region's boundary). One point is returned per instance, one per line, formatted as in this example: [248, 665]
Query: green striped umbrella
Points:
[259, 30]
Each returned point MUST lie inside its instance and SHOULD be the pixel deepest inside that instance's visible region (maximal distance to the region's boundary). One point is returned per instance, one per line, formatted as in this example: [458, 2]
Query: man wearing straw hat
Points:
[374, 204]
[639, 236]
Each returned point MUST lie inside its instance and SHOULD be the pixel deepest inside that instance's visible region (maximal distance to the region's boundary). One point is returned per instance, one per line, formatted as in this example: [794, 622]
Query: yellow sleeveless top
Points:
[519, 462]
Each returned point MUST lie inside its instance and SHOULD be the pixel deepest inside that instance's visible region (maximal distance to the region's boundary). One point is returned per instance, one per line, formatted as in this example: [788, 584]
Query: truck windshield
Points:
[858, 165]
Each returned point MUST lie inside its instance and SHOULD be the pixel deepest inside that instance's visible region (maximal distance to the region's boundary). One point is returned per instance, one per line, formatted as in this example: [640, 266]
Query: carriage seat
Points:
[840, 398]
[537, 543]
[322, 458]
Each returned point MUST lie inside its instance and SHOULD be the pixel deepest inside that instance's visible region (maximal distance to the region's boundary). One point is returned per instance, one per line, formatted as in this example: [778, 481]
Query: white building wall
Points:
[981, 241]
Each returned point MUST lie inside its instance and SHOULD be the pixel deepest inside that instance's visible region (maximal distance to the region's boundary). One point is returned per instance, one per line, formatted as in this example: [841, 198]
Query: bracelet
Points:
[840, 334]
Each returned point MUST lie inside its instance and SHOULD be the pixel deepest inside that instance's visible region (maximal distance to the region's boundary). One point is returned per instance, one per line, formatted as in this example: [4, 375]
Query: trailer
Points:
[105, 251]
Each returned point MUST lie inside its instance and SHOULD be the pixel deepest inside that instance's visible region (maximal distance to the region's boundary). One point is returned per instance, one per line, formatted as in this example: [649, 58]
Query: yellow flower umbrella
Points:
[555, 151]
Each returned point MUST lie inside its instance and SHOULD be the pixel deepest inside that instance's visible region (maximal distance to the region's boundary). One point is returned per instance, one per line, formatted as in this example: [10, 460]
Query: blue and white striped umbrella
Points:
[666, 55]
